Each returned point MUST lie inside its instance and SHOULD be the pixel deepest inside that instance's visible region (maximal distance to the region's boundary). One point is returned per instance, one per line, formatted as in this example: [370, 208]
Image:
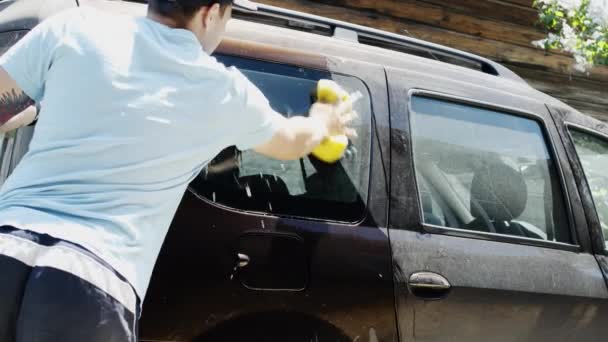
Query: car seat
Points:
[499, 195]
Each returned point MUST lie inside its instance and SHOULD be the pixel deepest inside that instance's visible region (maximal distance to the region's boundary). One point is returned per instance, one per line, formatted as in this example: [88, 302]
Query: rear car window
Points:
[304, 188]
[486, 171]
[593, 153]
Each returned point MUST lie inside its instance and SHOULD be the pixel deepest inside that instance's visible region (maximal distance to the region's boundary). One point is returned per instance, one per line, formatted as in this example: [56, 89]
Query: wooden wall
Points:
[501, 30]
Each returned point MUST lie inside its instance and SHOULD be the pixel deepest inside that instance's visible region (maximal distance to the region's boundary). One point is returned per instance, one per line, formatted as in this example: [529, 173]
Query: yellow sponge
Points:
[331, 148]
[330, 92]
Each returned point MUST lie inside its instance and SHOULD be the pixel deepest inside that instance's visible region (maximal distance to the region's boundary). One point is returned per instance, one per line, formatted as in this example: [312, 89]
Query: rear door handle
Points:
[429, 285]
[242, 260]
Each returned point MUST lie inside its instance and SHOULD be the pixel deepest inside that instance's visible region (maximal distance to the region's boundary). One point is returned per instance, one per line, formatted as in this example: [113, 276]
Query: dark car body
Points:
[365, 250]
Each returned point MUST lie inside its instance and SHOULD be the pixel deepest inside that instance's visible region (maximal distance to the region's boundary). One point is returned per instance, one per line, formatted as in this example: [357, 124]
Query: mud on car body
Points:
[471, 207]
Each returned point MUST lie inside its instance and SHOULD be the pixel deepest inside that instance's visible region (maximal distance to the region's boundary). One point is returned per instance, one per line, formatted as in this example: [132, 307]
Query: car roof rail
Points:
[278, 16]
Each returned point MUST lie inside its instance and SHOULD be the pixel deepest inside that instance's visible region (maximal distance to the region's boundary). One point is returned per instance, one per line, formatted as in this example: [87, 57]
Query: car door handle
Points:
[429, 285]
[243, 260]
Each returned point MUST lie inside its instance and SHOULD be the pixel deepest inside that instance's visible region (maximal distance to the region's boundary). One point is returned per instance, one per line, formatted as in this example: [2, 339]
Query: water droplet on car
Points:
[270, 206]
[268, 183]
[248, 189]
[214, 197]
[263, 226]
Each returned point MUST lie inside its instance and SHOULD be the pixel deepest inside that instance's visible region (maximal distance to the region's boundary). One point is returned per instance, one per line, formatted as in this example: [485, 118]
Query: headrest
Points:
[500, 190]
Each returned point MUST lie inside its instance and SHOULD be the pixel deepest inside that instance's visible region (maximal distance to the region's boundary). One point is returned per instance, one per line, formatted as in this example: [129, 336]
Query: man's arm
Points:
[20, 120]
[296, 137]
[13, 104]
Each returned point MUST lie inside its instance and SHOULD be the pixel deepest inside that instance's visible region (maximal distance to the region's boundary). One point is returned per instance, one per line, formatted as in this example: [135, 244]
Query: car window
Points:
[485, 171]
[593, 154]
[303, 188]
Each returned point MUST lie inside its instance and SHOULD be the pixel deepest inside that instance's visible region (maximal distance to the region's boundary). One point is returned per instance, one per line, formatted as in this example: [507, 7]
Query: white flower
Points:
[598, 12]
[580, 44]
[551, 38]
[568, 38]
[581, 62]
[570, 4]
[540, 43]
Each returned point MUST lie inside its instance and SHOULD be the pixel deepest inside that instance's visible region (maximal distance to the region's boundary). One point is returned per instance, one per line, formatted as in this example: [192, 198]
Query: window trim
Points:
[570, 126]
[372, 124]
[585, 130]
[457, 232]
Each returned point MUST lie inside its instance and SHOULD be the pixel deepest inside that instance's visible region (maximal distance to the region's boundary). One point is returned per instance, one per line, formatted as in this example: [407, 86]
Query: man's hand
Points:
[298, 136]
[337, 117]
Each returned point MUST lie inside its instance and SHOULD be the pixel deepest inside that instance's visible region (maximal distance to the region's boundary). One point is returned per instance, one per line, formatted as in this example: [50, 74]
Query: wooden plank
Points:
[587, 96]
[596, 111]
[503, 52]
[444, 18]
[562, 86]
[498, 10]
[524, 3]
[499, 51]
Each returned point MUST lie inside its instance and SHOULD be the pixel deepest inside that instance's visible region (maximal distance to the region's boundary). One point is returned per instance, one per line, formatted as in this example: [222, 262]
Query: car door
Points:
[264, 250]
[487, 229]
[586, 141]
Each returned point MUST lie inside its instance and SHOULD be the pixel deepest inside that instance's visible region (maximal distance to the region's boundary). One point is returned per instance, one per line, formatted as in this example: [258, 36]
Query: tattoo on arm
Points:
[13, 103]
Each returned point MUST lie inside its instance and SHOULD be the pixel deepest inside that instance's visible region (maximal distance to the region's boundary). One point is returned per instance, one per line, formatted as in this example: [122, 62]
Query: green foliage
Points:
[579, 27]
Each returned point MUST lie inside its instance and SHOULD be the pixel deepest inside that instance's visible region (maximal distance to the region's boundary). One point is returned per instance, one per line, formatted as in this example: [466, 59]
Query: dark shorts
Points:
[53, 290]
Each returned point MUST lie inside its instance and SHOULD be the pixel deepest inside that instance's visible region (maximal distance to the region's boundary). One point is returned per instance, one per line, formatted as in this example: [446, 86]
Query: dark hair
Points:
[182, 11]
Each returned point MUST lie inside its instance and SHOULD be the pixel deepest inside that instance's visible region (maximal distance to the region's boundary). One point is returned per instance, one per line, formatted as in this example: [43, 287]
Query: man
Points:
[131, 110]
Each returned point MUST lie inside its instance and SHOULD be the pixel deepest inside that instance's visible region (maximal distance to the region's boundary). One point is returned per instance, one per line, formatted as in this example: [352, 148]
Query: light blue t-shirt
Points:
[132, 110]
